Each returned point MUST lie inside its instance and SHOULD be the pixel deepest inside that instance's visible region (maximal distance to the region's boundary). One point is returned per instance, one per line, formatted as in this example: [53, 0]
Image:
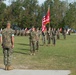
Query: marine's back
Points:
[6, 37]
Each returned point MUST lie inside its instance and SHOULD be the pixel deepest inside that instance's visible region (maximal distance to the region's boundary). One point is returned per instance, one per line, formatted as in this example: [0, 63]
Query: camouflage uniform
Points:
[37, 39]
[64, 33]
[53, 36]
[49, 35]
[44, 37]
[32, 41]
[6, 44]
[58, 34]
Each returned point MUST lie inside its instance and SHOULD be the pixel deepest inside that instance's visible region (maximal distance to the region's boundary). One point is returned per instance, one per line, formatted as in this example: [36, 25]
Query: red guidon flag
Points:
[45, 20]
[43, 24]
[48, 16]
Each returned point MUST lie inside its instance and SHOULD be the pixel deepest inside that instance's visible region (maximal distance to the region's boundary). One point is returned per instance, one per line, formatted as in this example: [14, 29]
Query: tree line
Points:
[28, 13]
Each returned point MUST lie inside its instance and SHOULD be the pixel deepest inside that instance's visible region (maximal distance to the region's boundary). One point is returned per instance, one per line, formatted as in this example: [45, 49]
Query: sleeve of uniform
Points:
[0, 35]
[12, 32]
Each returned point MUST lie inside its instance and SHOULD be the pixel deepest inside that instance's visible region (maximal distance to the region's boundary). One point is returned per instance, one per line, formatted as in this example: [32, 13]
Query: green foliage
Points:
[2, 9]
[28, 13]
[70, 17]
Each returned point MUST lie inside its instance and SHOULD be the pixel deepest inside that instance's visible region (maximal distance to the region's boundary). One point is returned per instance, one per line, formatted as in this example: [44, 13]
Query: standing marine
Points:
[7, 42]
[32, 41]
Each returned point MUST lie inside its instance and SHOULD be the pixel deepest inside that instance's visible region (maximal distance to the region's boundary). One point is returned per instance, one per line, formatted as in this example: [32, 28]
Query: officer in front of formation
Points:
[44, 37]
[32, 41]
[37, 38]
[7, 42]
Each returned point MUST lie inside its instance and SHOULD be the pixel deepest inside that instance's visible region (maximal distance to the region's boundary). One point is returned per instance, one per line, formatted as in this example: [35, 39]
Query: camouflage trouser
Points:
[64, 36]
[44, 40]
[58, 37]
[7, 56]
[49, 39]
[37, 45]
[32, 46]
[54, 40]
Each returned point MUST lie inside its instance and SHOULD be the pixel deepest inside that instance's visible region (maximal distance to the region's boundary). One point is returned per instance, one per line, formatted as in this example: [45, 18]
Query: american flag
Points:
[45, 20]
[43, 24]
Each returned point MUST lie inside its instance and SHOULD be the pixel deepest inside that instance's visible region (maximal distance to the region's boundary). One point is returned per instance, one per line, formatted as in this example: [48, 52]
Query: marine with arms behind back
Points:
[7, 41]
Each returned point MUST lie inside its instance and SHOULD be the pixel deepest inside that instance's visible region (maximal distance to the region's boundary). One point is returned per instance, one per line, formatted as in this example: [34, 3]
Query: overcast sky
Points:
[41, 1]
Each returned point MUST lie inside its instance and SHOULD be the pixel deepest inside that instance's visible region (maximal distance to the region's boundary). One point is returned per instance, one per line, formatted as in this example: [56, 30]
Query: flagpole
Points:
[49, 10]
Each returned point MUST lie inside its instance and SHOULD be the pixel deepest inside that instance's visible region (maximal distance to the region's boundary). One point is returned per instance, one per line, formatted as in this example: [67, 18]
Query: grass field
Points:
[59, 57]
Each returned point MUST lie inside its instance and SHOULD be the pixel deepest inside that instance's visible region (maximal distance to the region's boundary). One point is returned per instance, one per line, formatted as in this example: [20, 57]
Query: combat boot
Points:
[34, 54]
[31, 54]
[5, 67]
[9, 68]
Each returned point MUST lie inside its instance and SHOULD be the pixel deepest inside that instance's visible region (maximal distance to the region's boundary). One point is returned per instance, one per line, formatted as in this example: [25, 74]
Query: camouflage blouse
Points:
[6, 37]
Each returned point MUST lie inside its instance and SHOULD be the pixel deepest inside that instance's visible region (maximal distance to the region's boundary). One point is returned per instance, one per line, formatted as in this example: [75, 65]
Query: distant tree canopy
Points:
[28, 13]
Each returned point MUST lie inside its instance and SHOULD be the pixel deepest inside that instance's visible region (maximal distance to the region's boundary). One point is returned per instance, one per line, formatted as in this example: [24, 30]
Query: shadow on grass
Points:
[23, 49]
[41, 45]
[23, 44]
[19, 52]
[27, 44]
